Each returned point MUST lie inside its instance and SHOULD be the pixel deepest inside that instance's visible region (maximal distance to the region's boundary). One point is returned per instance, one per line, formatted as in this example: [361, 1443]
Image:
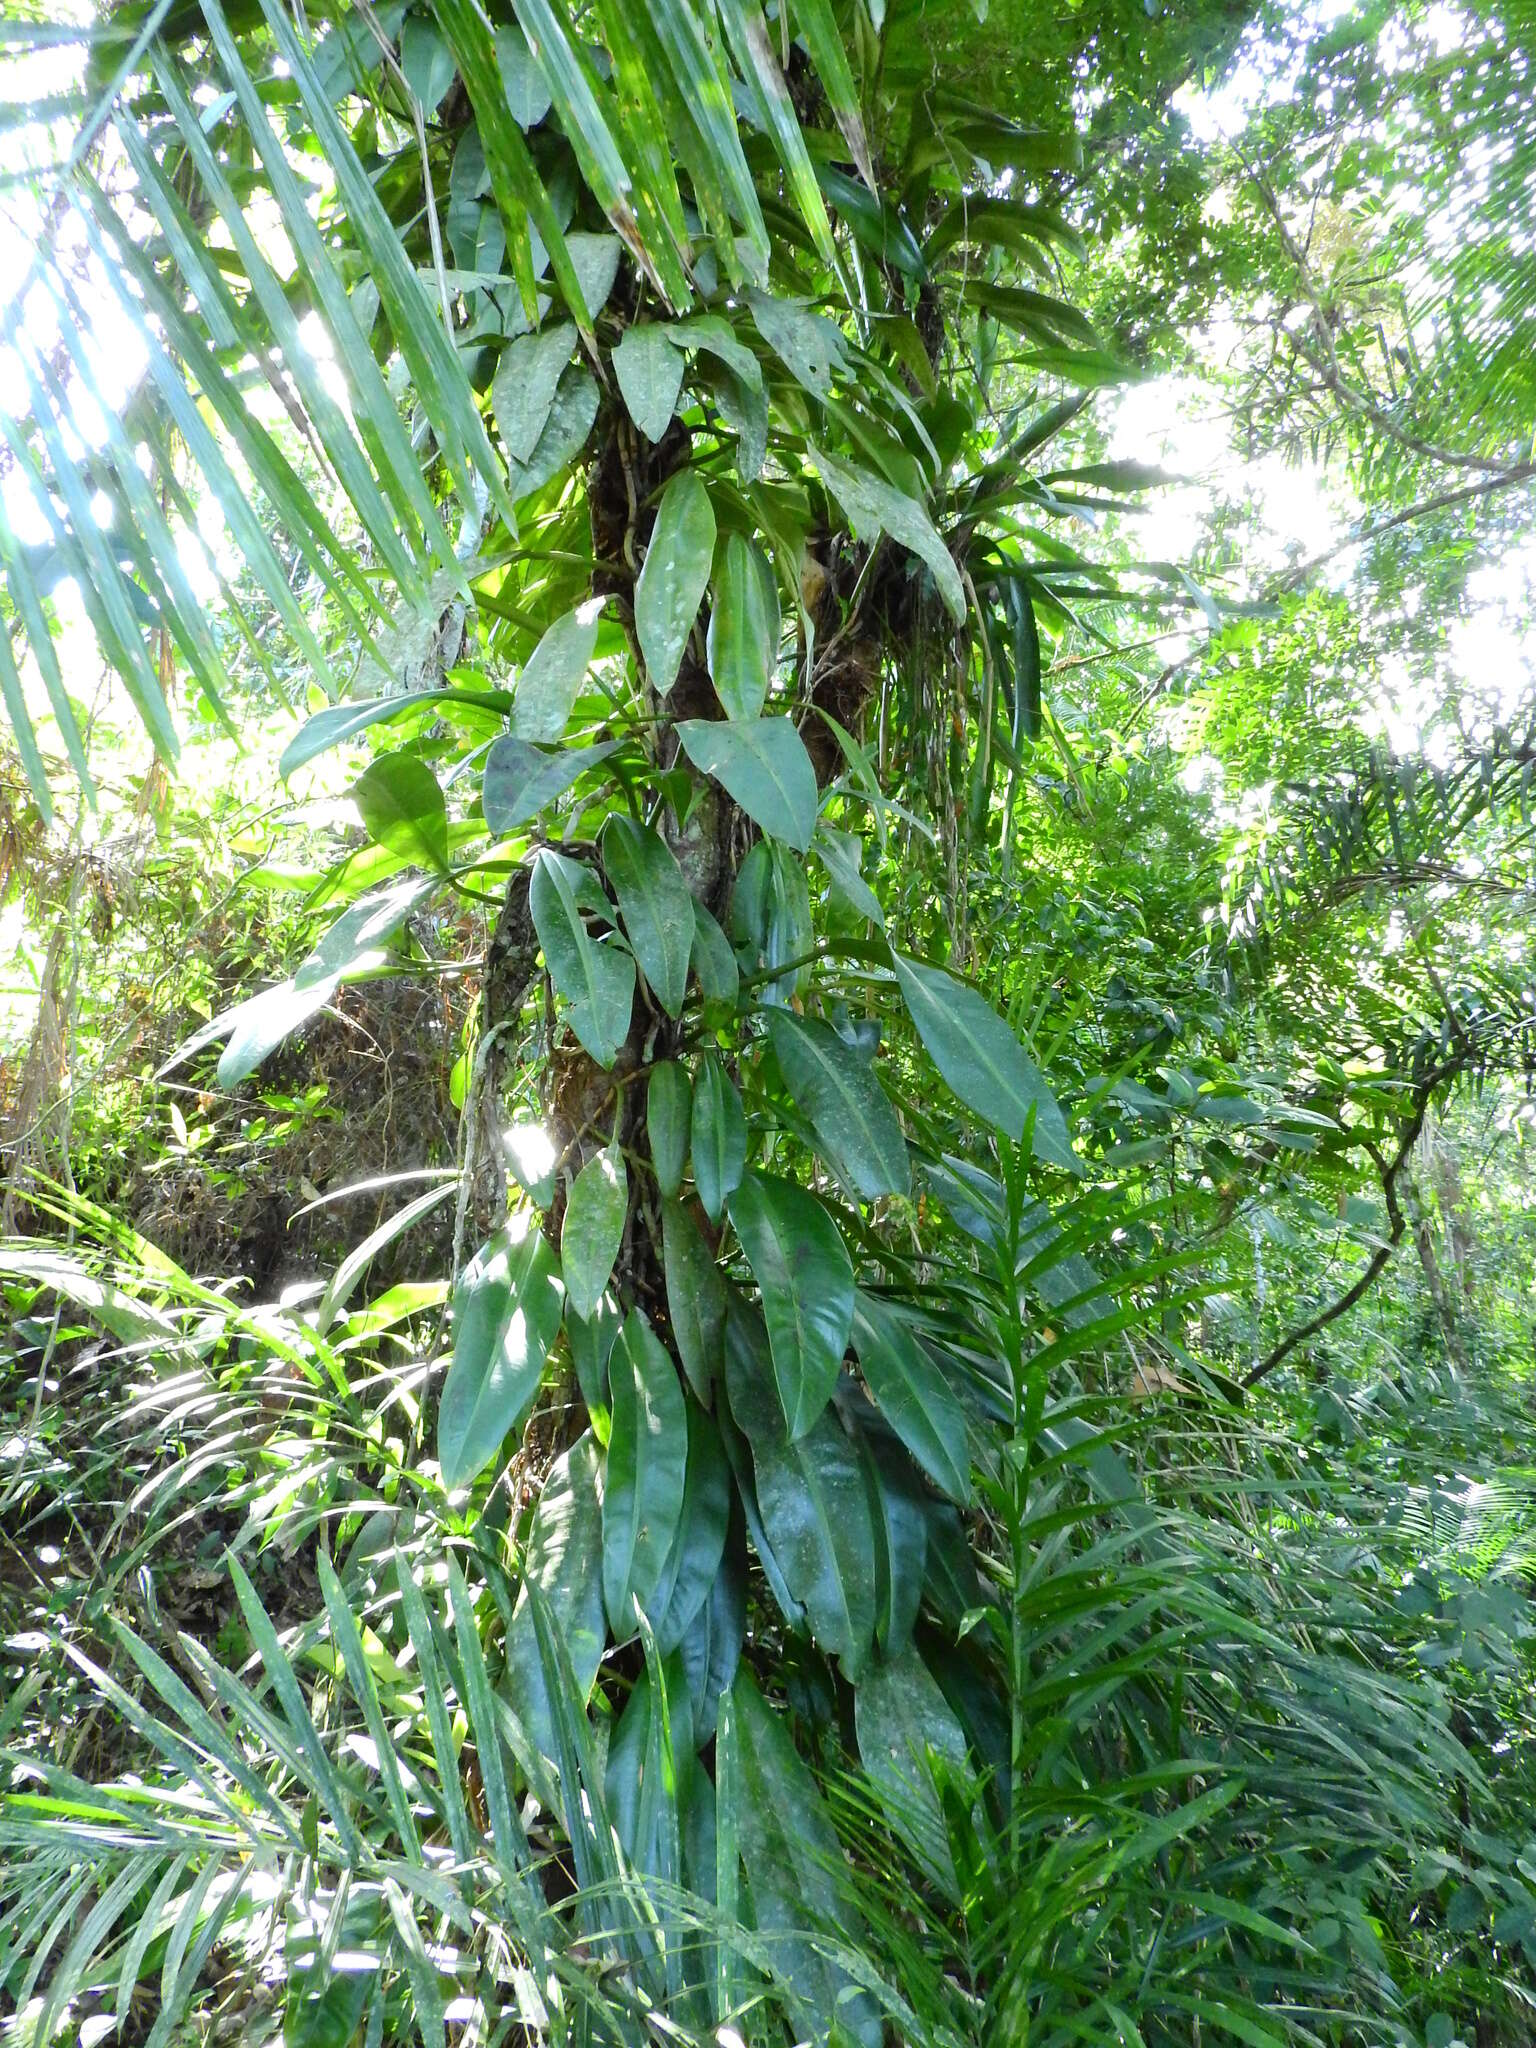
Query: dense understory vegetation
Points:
[766, 818]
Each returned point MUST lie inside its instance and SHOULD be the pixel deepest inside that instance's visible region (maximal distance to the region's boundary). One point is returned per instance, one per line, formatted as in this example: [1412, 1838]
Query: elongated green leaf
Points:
[506, 1316]
[329, 728]
[402, 808]
[744, 627]
[376, 414]
[764, 767]
[345, 1634]
[519, 780]
[982, 1060]
[838, 1090]
[591, 1341]
[523, 389]
[565, 432]
[655, 905]
[913, 1395]
[554, 673]
[695, 1298]
[713, 961]
[718, 1136]
[899, 1506]
[647, 1465]
[436, 370]
[502, 96]
[357, 943]
[752, 47]
[876, 507]
[705, 90]
[290, 1698]
[564, 1559]
[693, 1563]
[674, 577]
[506, 1829]
[811, 1500]
[839, 853]
[593, 1229]
[596, 976]
[803, 1271]
[900, 1715]
[669, 1109]
[810, 346]
[819, 27]
[434, 1695]
[791, 1855]
[649, 367]
[711, 1646]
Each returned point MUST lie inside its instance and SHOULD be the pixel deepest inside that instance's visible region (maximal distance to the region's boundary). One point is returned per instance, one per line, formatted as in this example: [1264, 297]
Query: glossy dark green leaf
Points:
[523, 389]
[527, 94]
[811, 1497]
[982, 1060]
[838, 1090]
[718, 1136]
[770, 920]
[791, 1855]
[591, 1339]
[356, 944]
[654, 904]
[339, 722]
[875, 507]
[713, 961]
[764, 767]
[810, 346]
[674, 577]
[554, 673]
[648, 1756]
[711, 1646]
[900, 1715]
[693, 1563]
[564, 433]
[805, 1276]
[668, 1113]
[840, 854]
[898, 1513]
[595, 975]
[647, 1468]
[649, 367]
[520, 779]
[913, 1394]
[695, 1298]
[743, 629]
[402, 808]
[593, 1229]
[506, 1312]
[426, 60]
[564, 1559]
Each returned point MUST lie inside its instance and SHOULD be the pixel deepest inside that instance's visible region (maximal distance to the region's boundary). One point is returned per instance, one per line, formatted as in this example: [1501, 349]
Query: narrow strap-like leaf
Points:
[291, 1699]
[344, 1631]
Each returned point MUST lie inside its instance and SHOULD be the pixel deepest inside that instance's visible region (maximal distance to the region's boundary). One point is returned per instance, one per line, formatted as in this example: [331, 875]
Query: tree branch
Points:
[1408, 1137]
